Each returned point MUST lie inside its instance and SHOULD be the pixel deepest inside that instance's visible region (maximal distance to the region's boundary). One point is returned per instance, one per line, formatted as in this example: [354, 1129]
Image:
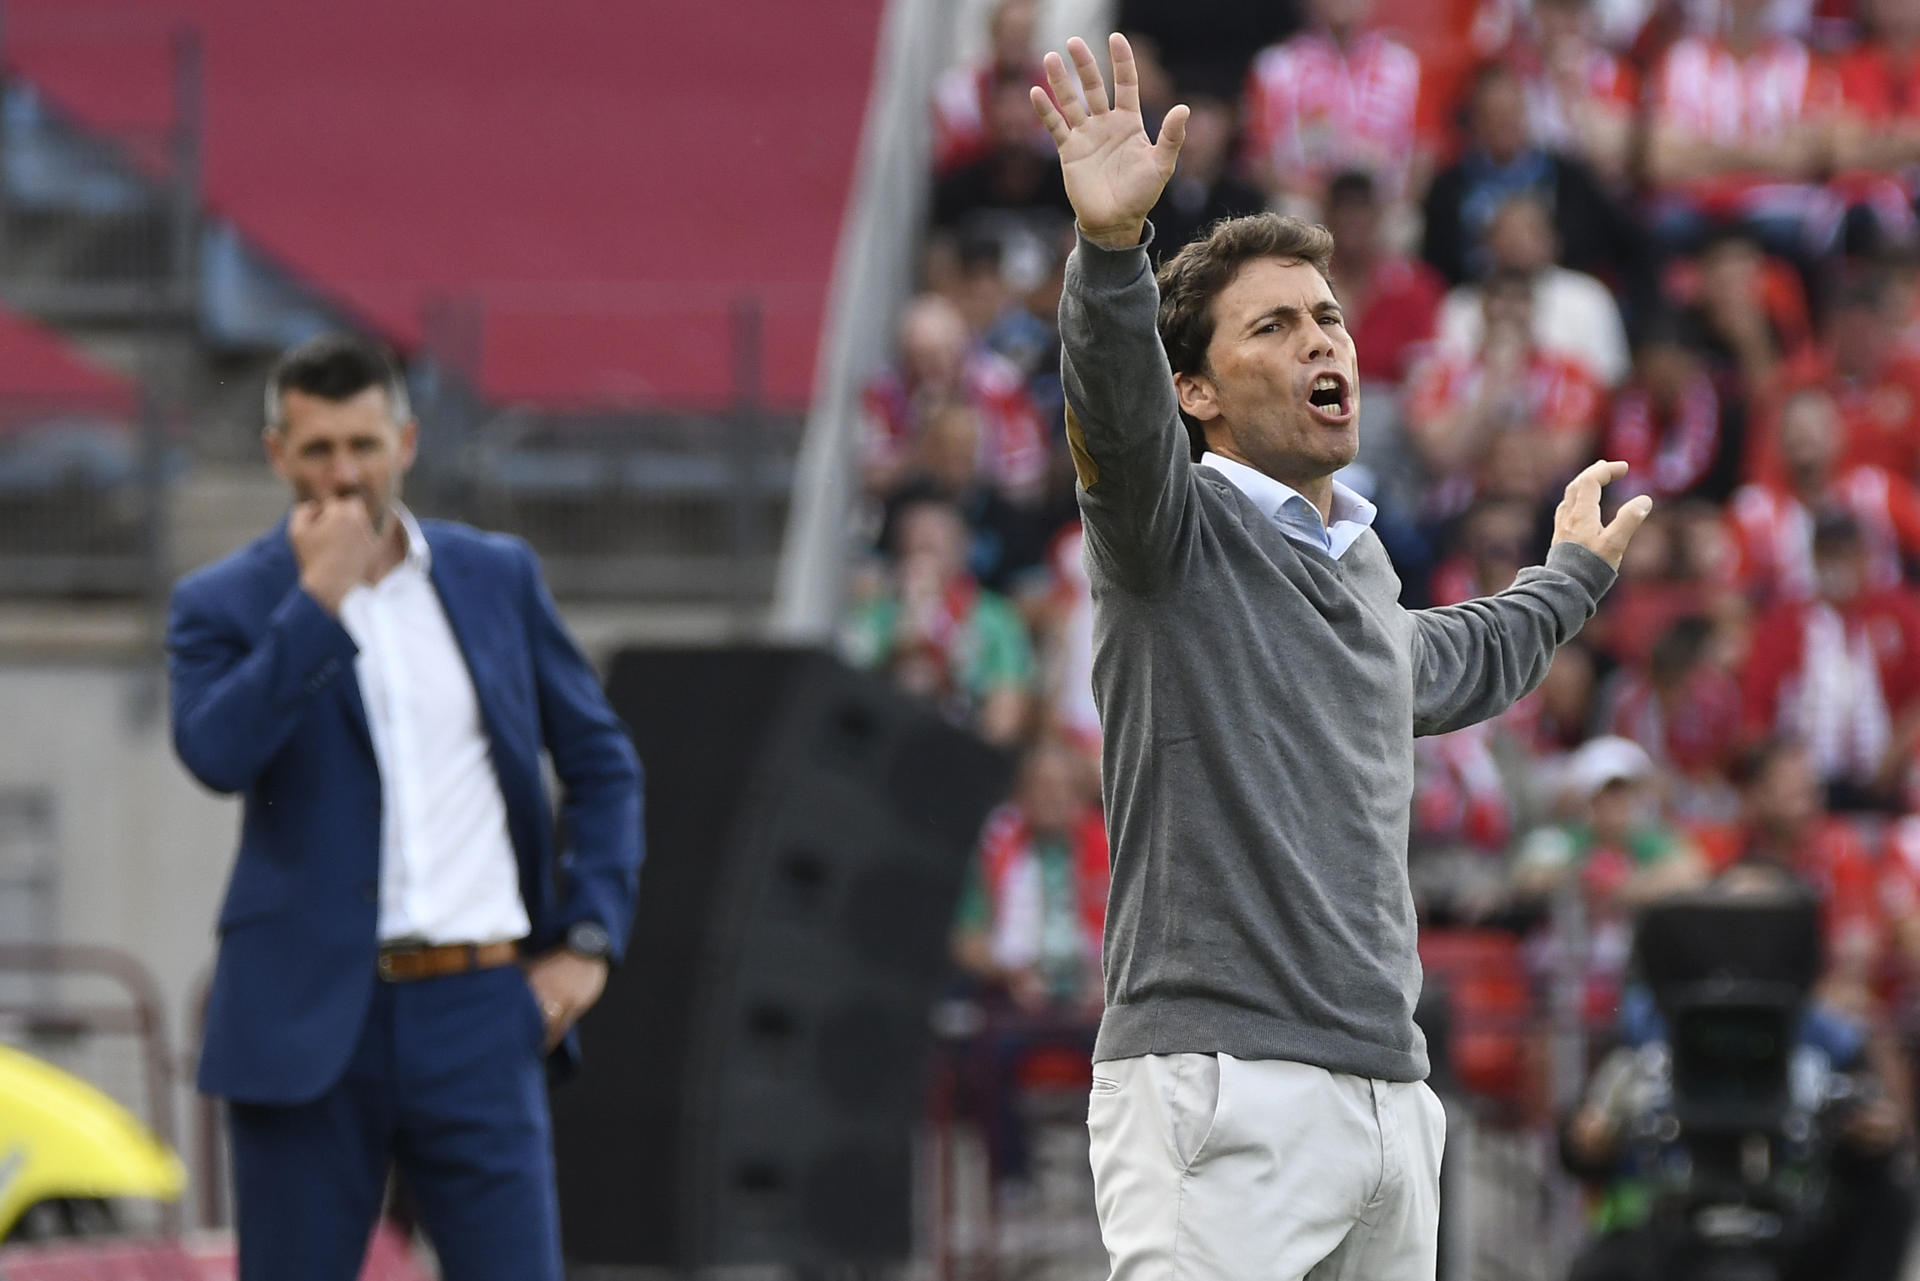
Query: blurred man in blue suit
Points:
[401, 944]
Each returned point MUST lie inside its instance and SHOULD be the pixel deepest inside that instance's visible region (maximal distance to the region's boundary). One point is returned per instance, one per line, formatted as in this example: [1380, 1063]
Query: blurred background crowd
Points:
[752, 370]
[1682, 235]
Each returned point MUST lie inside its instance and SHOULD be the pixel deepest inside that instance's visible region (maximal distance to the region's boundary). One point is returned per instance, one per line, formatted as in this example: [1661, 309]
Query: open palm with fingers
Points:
[1113, 172]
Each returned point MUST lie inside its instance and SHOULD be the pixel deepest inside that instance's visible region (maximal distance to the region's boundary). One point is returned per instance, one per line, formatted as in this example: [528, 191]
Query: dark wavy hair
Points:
[1191, 279]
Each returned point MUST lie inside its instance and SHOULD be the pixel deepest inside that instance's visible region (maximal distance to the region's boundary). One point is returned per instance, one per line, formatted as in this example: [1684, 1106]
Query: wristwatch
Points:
[589, 939]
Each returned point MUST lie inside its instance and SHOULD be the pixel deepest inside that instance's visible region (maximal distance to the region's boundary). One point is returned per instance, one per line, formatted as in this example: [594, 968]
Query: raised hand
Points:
[1577, 519]
[1113, 173]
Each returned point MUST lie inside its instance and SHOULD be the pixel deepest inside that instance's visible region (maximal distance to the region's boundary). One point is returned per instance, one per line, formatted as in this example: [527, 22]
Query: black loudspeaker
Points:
[755, 1072]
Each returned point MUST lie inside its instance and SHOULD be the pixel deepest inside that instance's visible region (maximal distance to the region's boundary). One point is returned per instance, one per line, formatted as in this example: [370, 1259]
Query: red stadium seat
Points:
[41, 373]
[576, 167]
[1485, 980]
[1056, 1067]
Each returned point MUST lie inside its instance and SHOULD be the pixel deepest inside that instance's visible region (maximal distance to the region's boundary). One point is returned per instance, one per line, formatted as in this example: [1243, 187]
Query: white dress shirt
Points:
[1299, 519]
[447, 869]
[1573, 316]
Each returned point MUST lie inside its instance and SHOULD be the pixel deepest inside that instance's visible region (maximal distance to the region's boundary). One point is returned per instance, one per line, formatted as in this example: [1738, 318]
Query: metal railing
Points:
[1508, 1056]
[1509, 1211]
[100, 220]
[99, 224]
[635, 495]
[623, 501]
[96, 1013]
[83, 499]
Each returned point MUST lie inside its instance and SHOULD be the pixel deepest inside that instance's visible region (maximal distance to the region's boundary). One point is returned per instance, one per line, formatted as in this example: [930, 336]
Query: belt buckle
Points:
[383, 961]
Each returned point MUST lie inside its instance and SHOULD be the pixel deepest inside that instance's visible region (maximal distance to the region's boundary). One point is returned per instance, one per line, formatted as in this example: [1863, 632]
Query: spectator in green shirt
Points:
[939, 634]
[1617, 844]
[1028, 936]
[1619, 851]
[1035, 903]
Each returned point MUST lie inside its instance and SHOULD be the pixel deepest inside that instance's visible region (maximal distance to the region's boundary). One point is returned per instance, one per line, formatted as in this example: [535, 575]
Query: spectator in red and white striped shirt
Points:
[960, 97]
[1684, 706]
[939, 364]
[1337, 96]
[1841, 672]
[1877, 138]
[1462, 822]
[1741, 125]
[1771, 523]
[1581, 99]
[1666, 422]
[1875, 384]
[1509, 407]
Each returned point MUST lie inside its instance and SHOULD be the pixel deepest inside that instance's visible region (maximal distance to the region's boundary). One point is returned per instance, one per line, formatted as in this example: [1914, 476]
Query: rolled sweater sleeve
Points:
[1130, 450]
[1475, 659]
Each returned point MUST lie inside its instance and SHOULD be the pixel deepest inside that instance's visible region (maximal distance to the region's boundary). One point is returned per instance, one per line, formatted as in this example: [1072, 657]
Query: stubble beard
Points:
[1317, 451]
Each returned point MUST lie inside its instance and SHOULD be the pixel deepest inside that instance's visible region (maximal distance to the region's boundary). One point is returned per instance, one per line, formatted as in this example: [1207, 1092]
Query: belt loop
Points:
[473, 956]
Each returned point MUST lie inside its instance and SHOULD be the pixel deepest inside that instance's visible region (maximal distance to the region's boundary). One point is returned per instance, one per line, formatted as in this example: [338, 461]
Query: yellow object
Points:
[60, 1137]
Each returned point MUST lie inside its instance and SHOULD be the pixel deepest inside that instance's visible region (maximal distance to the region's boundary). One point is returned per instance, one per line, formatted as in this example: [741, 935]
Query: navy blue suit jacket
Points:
[265, 703]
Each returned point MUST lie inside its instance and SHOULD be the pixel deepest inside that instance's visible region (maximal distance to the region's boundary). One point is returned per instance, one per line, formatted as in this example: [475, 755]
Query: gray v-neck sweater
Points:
[1259, 701]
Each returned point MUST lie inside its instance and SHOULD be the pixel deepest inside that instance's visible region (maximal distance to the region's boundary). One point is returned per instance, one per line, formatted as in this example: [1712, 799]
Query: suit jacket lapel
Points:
[466, 595]
[285, 572]
[451, 581]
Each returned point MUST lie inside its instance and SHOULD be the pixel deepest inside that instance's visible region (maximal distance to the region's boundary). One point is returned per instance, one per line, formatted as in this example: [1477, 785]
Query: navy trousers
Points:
[448, 1081]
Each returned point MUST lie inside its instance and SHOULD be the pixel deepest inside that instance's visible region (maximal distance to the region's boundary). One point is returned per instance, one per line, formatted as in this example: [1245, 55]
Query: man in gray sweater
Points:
[1258, 1106]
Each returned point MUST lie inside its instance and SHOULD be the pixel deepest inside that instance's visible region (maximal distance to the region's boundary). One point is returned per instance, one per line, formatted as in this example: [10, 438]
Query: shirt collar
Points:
[1272, 496]
[419, 556]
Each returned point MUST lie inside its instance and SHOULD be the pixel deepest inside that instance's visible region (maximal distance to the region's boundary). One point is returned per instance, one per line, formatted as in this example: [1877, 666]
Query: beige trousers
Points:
[1212, 1168]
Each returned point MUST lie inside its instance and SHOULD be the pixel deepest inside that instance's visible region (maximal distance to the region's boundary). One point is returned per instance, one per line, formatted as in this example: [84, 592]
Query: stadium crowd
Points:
[1682, 235]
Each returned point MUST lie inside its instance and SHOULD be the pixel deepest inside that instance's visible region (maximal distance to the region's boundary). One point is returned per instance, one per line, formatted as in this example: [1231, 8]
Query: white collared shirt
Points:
[447, 869]
[1574, 315]
[1288, 507]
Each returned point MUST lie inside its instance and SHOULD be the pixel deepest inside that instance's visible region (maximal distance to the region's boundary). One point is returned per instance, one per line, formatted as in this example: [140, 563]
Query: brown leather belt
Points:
[404, 963]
